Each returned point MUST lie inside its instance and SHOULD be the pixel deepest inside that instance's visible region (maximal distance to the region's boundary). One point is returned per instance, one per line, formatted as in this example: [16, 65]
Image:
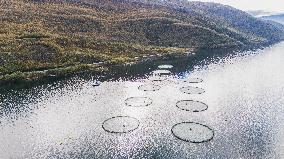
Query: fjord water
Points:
[244, 93]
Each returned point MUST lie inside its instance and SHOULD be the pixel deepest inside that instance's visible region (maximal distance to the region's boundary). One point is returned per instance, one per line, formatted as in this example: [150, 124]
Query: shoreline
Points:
[103, 67]
[31, 76]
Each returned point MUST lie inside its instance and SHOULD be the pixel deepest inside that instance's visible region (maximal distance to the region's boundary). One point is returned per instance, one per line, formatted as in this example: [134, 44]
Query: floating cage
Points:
[193, 80]
[157, 78]
[191, 105]
[138, 101]
[161, 72]
[192, 90]
[192, 132]
[120, 124]
[165, 66]
[149, 87]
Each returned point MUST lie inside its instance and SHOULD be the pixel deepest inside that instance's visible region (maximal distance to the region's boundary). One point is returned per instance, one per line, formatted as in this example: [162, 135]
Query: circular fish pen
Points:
[138, 101]
[165, 66]
[193, 80]
[192, 132]
[149, 87]
[191, 105]
[161, 72]
[157, 78]
[120, 124]
[192, 90]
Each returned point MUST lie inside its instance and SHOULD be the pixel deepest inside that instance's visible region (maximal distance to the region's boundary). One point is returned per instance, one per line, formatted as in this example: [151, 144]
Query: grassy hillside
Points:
[54, 37]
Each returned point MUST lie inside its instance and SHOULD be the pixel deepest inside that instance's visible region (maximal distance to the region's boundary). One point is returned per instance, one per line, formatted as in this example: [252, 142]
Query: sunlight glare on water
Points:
[63, 119]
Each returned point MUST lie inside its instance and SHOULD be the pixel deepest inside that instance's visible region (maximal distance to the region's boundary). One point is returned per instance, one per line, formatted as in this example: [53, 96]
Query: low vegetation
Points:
[40, 38]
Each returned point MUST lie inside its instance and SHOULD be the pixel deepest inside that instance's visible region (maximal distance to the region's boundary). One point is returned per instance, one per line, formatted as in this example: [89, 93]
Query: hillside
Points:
[277, 18]
[37, 37]
[259, 13]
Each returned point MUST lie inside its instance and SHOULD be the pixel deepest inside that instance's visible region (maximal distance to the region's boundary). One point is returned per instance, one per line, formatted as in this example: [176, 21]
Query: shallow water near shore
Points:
[244, 93]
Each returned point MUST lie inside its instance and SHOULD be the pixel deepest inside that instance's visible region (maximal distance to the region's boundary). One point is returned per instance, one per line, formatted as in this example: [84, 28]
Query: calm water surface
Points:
[63, 119]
